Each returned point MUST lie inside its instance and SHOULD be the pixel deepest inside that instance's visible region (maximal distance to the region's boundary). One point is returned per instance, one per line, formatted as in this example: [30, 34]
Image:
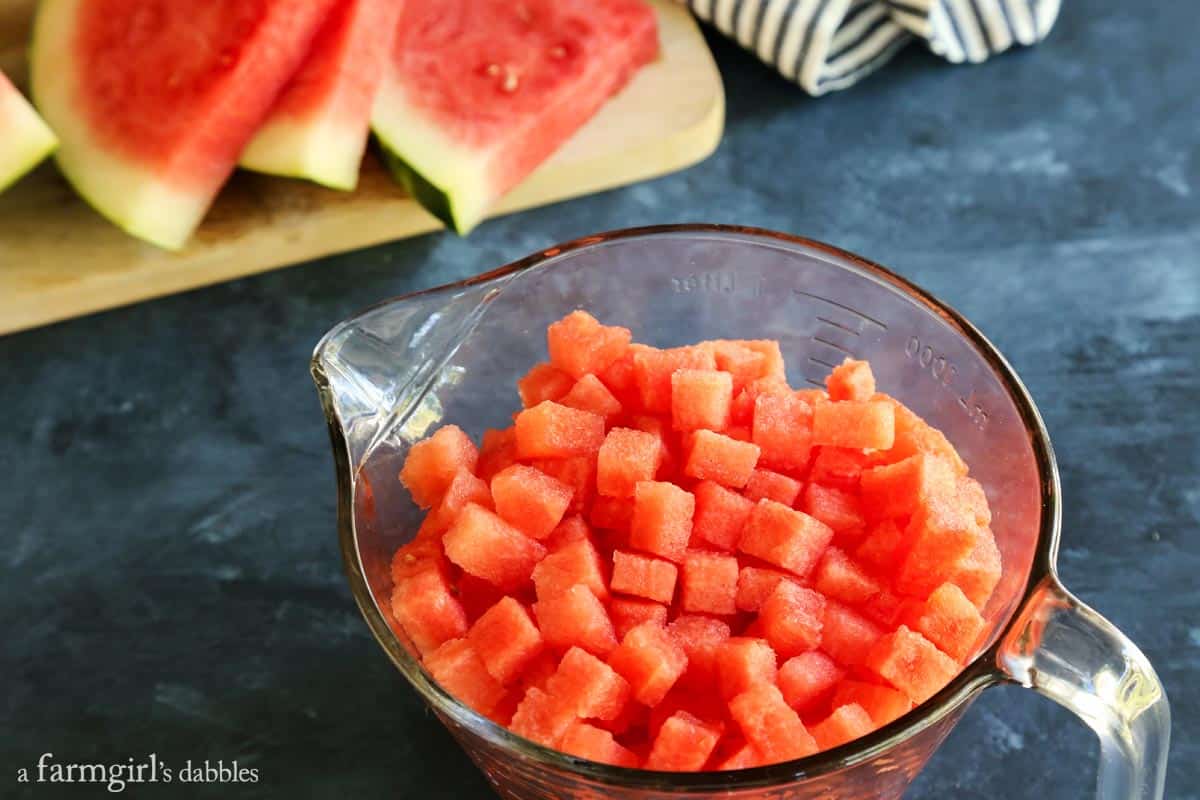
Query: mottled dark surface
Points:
[170, 580]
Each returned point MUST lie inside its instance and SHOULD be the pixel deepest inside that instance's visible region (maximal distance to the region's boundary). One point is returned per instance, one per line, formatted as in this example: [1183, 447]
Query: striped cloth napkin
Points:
[826, 45]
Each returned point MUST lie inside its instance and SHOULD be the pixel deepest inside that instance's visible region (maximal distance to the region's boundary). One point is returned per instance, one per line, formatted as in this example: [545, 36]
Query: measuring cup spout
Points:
[374, 370]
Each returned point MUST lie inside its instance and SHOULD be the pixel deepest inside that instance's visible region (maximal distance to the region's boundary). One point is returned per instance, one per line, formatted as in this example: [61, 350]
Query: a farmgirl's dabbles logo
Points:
[151, 769]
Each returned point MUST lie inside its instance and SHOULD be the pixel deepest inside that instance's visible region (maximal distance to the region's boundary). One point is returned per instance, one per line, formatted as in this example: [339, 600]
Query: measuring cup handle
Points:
[1066, 651]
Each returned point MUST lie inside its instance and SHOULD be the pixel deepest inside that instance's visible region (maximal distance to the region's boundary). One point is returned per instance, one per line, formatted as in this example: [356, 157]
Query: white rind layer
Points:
[320, 149]
[130, 195]
[462, 174]
[25, 139]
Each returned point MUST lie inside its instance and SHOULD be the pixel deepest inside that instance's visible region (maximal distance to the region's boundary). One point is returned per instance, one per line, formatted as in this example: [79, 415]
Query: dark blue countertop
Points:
[171, 581]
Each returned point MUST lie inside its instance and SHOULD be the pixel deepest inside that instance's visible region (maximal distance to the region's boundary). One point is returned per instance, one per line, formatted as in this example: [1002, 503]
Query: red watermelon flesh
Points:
[154, 100]
[478, 93]
[318, 127]
[24, 138]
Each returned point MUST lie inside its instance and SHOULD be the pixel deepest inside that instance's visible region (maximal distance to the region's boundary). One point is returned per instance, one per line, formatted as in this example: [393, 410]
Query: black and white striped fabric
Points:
[826, 45]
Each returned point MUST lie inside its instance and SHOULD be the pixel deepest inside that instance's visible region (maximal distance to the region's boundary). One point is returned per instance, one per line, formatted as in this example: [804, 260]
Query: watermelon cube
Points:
[589, 394]
[541, 718]
[700, 399]
[611, 513]
[914, 435]
[626, 458]
[539, 671]
[588, 686]
[846, 635]
[530, 500]
[839, 578]
[662, 519]
[837, 508]
[791, 619]
[596, 744]
[851, 380]
[978, 573]
[427, 610]
[653, 368]
[773, 363]
[464, 488]
[709, 584]
[755, 585]
[742, 756]
[505, 639]
[838, 467]
[720, 458]
[742, 363]
[498, 451]
[808, 679]
[576, 472]
[941, 535]
[574, 563]
[720, 515]
[950, 620]
[765, 484]
[571, 529]
[575, 618]
[579, 344]
[651, 660]
[699, 637]
[551, 430]
[782, 428]
[477, 595]
[543, 382]
[423, 553]
[869, 425]
[432, 463]
[897, 490]
[911, 663]
[629, 612]
[770, 724]
[643, 576]
[882, 548]
[882, 703]
[486, 546]
[845, 724]
[742, 410]
[784, 537]
[743, 662]
[971, 495]
[683, 744]
[620, 379]
[460, 671]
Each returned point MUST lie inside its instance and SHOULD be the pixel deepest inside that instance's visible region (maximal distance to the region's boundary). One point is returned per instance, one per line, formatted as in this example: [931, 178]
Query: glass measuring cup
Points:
[392, 374]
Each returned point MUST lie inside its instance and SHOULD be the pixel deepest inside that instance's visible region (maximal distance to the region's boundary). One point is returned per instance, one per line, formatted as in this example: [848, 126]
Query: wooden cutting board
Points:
[60, 259]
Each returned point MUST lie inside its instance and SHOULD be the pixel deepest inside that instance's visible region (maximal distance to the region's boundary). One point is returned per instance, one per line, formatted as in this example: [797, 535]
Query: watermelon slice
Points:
[24, 138]
[318, 127]
[480, 92]
[154, 101]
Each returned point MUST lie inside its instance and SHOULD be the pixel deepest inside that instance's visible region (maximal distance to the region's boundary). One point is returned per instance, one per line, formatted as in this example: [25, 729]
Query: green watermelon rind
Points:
[431, 197]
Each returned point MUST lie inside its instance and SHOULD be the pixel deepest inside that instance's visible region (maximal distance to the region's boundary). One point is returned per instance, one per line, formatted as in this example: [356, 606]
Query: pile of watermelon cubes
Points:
[672, 560]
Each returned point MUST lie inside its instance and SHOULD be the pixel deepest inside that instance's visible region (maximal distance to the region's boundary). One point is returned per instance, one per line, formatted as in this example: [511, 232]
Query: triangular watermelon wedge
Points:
[24, 137]
[318, 127]
[480, 92]
[155, 100]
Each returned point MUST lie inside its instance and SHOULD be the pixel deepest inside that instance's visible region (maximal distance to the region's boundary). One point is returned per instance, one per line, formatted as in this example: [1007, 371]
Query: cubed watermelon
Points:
[463, 489]
[755, 585]
[575, 618]
[716, 457]
[577, 472]
[914, 435]
[629, 612]
[579, 344]
[662, 519]
[611, 514]
[940, 536]
[765, 484]
[720, 515]
[911, 663]
[978, 573]
[846, 635]
[851, 380]
[571, 529]
[742, 410]
[643, 576]
[882, 548]
[588, 686]
[806, 680]
[785, 537]
[709, 584]
[770, 724]
[499, 450]
[782, 428]
[743, 662]
[845, 724]
[700, 399]
[683, 744]
[427, 610]
[432, 463]
[543, 382]
[574, 563]
[742, 363]
[699, 636]
[542, 718]
[869, 425]
[551, 430]
[596, 744]
[506, 639]
[461, 672]
[791, 619]
[741, 756]
[486, 546]
[590, 394]
[838, 467]
[626, 458]
[837, 508]
[651, 660]
[840, 578]
[530, 500]
[653, 369]
[882, 703]
[950, 620]
[897, 490]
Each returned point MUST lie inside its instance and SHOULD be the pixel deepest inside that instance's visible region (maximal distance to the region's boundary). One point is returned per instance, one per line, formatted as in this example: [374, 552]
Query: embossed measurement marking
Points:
[942, 370]
[864, 317]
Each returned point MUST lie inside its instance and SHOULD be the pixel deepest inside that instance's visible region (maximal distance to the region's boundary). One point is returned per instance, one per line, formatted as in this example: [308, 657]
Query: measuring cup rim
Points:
[978, 674]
